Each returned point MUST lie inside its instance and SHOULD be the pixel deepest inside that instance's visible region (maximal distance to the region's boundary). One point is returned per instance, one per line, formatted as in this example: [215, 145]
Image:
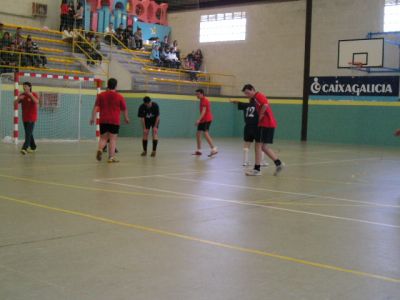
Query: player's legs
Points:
[27, 136]
[198, 140]
[209, 140]
[246, 149]
[271, 154]
[113, 144]
[32, 144]
[102, 143]
[145, 139]
[268, 151]
[155, 141]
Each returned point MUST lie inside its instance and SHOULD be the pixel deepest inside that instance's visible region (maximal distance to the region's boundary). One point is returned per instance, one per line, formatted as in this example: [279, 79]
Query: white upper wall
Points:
[19, 12]
[272, 56]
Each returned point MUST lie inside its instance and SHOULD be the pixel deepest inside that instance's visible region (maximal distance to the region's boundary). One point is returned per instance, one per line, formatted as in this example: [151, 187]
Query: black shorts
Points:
[204, 126]
[150, 123]
[250, 133]
[265, 135]
[109, 128]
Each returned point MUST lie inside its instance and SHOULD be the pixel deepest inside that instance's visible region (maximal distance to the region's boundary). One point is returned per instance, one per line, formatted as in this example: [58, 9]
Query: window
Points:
[392, 15]
[223, 27]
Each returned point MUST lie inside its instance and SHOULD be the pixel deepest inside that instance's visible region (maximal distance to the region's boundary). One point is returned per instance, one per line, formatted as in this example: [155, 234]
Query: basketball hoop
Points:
[356, 65]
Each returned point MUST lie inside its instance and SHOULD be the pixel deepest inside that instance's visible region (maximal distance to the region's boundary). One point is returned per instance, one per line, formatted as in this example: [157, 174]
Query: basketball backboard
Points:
[368, 53]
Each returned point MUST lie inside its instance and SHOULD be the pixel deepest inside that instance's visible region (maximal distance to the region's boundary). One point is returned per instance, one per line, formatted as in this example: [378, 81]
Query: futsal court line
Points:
[280, 191]
[311, 204]
[80, 187]
[181, 236]
[206, 198]
[229, 170]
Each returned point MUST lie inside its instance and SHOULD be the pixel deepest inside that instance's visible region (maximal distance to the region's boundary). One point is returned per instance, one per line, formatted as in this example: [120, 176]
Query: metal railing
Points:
[17, 60]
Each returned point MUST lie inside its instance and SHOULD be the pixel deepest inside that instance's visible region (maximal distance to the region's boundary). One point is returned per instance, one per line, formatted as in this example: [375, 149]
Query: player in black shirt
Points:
[250, 129]
[149, 114]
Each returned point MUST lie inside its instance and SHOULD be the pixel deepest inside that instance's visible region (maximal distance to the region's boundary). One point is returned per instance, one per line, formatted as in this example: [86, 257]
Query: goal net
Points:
[65, 107]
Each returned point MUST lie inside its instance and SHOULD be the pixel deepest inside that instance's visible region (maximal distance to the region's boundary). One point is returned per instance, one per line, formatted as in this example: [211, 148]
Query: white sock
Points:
[245, 155]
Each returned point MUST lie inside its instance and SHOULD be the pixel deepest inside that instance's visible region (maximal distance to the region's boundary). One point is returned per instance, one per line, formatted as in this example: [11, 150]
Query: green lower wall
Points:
[338, 123]
[365, 125]
[346, 122]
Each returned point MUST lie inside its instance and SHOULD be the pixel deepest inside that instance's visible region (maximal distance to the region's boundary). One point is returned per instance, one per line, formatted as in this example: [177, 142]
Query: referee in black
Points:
[149, 114]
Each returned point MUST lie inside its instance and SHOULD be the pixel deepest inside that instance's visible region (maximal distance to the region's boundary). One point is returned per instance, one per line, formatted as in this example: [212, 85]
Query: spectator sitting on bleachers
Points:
[10, 58]
[33, 60]
[1, 31]
[176, 49]
[6, 41]
[165, 42]
[97, 46]
[29, 60]
[120, 32]
[163, 56]
[172, 59]
[109, 33]
[155, 55]
[18, 39]
[198, 59]
[188, 64]
[128, 37]
[138, 39]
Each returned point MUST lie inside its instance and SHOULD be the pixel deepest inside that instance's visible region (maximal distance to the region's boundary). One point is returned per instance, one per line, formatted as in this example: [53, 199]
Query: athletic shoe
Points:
[279, 169]
[99, 154]
[264, 164]
[113, 160]
[153, 154]
[24, 152]
[246, 164]
[213, 152]
[144, 153]
[197, 153]
[29, 150]
[253, 173]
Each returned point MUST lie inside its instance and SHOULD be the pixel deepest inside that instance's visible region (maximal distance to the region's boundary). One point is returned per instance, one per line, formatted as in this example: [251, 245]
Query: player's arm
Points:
[94, 114]
[124, 108]
[262, 112]
[34, 97]
[203, 113]
[19, 99]
[157, 117]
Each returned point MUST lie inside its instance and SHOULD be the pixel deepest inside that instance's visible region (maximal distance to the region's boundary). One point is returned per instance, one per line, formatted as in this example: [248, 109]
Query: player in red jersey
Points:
[397, 132]
[265, 132]
[110, 104]
[203, 124]
[29, 103]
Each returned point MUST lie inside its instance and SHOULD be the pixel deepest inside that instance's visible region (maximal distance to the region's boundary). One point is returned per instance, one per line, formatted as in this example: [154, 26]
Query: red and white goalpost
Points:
[18, 76]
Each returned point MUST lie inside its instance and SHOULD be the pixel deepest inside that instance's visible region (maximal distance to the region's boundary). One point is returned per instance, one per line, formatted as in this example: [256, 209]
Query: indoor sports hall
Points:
[137, 209]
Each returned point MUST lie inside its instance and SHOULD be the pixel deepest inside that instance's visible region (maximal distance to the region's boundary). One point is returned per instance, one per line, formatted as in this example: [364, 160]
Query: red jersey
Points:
[64, 9]
[29, 108]
[268, 120]
[110, 104]
[205, 103]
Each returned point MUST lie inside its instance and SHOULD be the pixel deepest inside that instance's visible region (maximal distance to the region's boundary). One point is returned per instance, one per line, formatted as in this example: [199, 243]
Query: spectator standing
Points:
[64, 15]
[79, 16]
[71, 17]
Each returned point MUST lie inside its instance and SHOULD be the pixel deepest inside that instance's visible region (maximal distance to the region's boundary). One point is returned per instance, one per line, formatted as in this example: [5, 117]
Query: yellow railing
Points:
[20, 61]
